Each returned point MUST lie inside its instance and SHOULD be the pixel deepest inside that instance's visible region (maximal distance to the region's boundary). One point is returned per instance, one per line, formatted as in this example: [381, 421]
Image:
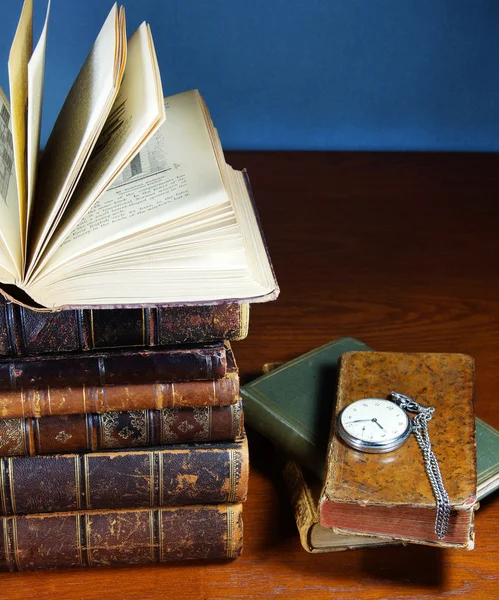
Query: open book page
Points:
[136, 114]
[10, 233]
[19, 56]
[7, 268]
[77, 128]
[175, 174]
[36, 71]
[215, 254]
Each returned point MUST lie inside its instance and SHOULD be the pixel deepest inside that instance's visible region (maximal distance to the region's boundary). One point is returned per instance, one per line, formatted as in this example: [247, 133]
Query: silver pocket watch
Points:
[376, 425]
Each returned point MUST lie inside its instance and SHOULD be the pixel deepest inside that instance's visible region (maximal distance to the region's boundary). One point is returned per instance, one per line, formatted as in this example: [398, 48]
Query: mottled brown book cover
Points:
[140, 536]
[209, 473]
[390, 494]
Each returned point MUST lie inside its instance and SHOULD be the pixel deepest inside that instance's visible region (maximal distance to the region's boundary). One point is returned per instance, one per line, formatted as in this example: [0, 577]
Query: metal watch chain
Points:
[420, 429]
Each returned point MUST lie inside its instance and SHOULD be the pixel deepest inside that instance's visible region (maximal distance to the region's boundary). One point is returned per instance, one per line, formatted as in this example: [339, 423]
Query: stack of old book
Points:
[124, 455]
[129, 253]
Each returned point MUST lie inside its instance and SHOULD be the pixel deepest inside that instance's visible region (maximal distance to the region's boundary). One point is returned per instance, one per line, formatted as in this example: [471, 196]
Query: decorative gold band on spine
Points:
[87, 483]
[152, 545]
[233, 477]
[6, 543]
[88, 550]
[235, 414]
[79, 540]
[11, 483]
[152, 478]
[160, 479]
[92, 331]
[230, 546]
[15, 545]
[2, 488]
[77, 483]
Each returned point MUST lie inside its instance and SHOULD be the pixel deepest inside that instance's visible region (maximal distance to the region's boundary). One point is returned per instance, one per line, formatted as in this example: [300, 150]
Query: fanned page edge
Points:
[21, 297]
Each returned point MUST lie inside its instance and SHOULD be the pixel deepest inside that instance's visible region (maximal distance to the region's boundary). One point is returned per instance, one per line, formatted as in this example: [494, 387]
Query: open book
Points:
[131, 202]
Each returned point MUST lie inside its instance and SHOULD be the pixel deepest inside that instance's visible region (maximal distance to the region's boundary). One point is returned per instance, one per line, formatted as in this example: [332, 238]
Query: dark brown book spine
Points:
[127, 429]
[28, 332]
[87, 539]
[174, 476]
[110, 398]
[114, 368]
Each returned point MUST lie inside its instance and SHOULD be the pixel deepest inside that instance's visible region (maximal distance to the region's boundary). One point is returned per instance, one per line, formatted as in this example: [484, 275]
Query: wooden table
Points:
[402, 252]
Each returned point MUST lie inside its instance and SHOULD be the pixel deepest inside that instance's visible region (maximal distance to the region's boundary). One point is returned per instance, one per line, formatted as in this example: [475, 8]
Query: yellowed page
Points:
[136, 115]
[10, 233]
[36, 71]
[7, 268]
[76, 129]
[175, 174]
[20, 53]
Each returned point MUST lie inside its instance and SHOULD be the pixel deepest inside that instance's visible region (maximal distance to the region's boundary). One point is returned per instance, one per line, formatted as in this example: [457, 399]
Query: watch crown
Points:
[405, 402]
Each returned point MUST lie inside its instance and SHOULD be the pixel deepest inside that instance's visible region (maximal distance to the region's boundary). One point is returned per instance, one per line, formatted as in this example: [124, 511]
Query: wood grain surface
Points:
[402, 252]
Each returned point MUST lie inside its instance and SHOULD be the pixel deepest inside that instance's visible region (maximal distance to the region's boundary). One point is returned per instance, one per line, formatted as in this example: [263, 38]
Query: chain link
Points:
[420, 429]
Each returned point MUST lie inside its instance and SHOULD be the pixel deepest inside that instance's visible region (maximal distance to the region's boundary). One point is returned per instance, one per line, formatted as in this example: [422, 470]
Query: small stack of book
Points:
[343, 498]
[130, 455]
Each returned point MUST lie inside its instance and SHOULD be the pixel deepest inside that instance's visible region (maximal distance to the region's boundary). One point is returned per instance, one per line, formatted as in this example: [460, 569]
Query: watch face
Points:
[374, 425]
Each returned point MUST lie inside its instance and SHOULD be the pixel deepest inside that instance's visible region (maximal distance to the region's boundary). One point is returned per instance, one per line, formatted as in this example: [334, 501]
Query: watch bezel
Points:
[372, 447]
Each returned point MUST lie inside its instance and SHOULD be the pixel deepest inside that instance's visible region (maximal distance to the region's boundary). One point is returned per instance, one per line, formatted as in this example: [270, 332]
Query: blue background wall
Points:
[312, 74]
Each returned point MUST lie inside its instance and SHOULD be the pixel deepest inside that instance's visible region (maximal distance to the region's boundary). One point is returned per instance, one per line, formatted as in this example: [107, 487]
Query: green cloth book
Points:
[292, 406]
[487, 458]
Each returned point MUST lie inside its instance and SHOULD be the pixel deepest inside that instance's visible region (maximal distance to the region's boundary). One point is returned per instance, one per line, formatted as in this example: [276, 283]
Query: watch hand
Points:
[374, 420]
[361, 421]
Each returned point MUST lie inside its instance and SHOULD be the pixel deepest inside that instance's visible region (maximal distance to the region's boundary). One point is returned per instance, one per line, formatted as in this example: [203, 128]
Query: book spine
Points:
[126, 429]
[177, 476]
[276, 426]
[28, 332]
[86, 539]
[301, 502]
[114, 368]
[110, 398]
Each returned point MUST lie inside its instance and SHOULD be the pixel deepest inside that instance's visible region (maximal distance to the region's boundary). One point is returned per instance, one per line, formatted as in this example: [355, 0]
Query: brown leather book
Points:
[126, 429]
[28, 332]
[389, 495]
[102, 398]
[174, 476]
[122, 367]
[97, 538]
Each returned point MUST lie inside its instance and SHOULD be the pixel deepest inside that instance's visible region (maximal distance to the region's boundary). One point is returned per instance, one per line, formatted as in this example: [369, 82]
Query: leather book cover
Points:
[292, 404]
[126, 429]
[140, 536]
[103, 398]
[304, 492]
[175, 476]
[389, 495]
[123, 367]
[28, 332]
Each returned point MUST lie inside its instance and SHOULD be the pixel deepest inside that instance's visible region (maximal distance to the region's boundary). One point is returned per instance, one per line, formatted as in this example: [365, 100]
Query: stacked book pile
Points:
[121, 435]
[344, 498]
[121, 428]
